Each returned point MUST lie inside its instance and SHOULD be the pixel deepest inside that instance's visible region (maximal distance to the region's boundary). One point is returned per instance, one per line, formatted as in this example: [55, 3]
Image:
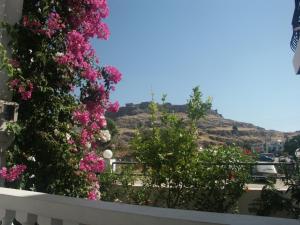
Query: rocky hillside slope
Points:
[214, 129]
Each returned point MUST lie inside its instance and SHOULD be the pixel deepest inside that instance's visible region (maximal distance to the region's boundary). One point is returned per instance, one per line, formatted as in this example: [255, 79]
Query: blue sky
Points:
[237, 51]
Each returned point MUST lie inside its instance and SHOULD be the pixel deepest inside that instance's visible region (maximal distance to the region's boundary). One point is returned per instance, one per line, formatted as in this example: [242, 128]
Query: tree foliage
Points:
[221, 175]
[272, 200]
[292, 144]
[211, 179]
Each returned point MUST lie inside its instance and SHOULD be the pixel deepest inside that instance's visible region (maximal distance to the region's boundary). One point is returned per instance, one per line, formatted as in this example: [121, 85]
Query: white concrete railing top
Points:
[30, 207]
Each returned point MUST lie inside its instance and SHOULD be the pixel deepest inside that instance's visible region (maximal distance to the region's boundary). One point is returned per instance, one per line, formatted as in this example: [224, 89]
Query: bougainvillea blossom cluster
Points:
[13, 173]
[49, 28]
[31, 24]
[113, 73]
[23, 88]
[92, 163]
[78, 52]
[88, 20]
[94, 193]
[54, 24]
[83, 117]
[81, 21]
[114, 107]
[90, 115]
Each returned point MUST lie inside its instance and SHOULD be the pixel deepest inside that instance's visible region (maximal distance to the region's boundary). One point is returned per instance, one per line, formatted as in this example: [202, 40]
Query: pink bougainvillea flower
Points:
[15, 63]
[54, 22]
[14, 83]
[82, 117]
[84, 137]
[114, 74]
[24, 89]
[92, 163]
[75, 55]
[90, 74]
[114, 107]
[92, 177]
[13, 173]
[25, 21]
[78, 50]
[26, 94]
[94, 194]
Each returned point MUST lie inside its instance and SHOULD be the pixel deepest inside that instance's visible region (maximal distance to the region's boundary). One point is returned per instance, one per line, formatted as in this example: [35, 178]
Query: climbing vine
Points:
[63, 95]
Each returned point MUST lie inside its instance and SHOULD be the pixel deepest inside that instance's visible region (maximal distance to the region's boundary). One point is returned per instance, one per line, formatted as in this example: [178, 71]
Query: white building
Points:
[275, 146]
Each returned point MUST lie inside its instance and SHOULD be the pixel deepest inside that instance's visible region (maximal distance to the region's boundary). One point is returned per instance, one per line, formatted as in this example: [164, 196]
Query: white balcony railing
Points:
[31, 207]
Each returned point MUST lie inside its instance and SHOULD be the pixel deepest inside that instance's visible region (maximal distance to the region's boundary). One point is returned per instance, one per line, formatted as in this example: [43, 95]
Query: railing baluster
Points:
[70, 223]
[41, 220]
[56, 222]
[26, 218]
[2, 214]
[7, 216]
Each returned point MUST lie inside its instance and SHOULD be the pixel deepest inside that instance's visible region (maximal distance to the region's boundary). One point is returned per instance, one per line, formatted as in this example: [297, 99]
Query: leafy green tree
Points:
[292, 144]
[169, 148]
[235, 130]
[220, 178]
[185, 177]
[273, 200]
[197, 109]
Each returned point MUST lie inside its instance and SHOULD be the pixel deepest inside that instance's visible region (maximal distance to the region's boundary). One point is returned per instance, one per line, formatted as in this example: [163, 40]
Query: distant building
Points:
[271, 146]
[275, 146]
[257, 148]
[129, 105]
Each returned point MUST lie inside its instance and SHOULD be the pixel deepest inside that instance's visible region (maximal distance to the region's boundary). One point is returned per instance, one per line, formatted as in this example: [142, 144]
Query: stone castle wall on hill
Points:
[131, 109]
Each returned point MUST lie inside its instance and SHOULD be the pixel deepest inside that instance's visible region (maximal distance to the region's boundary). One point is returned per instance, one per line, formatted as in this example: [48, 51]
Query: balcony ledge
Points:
[65, 210]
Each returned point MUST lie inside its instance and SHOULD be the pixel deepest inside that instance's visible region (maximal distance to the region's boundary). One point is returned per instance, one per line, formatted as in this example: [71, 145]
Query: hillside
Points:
[214, 128]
